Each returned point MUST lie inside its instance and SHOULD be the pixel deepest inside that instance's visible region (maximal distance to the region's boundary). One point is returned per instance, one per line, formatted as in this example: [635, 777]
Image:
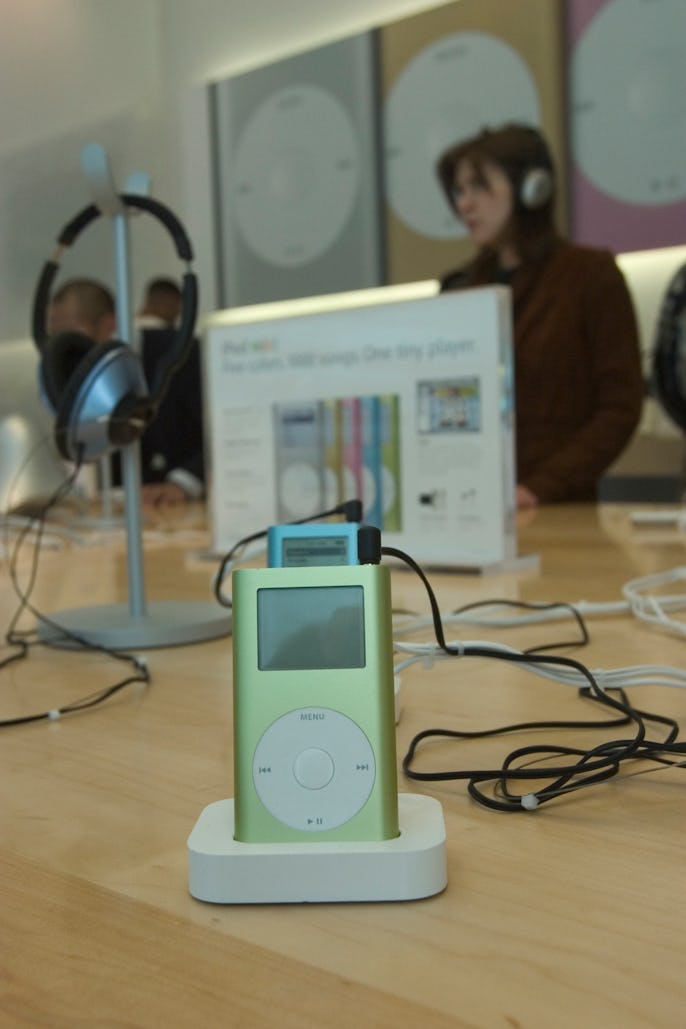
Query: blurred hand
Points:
[161, 494]
[525, 498]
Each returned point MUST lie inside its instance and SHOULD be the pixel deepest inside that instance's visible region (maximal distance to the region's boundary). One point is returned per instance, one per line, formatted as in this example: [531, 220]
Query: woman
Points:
[578, 381]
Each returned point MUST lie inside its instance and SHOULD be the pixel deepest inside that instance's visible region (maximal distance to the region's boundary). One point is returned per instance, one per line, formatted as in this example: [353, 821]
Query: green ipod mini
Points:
[314, 716]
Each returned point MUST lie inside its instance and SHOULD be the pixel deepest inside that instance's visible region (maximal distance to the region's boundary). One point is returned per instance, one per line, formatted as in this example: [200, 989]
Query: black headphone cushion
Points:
[91, 355]
[60, 358]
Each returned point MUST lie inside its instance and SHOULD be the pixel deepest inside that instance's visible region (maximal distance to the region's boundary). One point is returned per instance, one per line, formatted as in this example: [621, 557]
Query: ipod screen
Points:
[310, 627]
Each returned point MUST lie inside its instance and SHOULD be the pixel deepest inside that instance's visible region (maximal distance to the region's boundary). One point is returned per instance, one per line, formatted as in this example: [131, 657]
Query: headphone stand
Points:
[108, 518]
[138, 624]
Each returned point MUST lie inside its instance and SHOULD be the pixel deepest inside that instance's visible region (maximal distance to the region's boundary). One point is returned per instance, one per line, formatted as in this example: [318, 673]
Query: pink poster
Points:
[627, 84]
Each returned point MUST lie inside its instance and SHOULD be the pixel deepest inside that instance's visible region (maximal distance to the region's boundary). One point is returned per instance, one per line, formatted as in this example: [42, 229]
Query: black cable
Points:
[535, 606]
[593, 766]
[12, 638]
[80, 705]
[22, 640]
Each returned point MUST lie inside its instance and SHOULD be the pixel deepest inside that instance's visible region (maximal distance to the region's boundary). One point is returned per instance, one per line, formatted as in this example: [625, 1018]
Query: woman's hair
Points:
[516, 149]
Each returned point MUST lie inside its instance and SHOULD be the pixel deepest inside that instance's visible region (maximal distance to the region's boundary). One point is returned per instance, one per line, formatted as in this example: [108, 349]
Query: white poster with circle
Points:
[446, 74]
[296, 180]
[627, 68]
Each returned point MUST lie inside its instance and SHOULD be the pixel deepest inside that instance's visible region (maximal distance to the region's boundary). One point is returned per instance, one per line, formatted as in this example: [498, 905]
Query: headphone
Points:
[533, 184]
[535, 188]
[669, 357]
[98, 391]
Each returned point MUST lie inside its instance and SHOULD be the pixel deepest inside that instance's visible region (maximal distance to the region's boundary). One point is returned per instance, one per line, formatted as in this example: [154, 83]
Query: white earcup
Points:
[536, 188]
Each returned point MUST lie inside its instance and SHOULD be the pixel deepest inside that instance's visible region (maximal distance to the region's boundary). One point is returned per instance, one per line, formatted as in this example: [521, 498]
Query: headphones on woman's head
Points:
[535, 188]
[98, 391]
[532, 175]
[669, 357]
[535, 183]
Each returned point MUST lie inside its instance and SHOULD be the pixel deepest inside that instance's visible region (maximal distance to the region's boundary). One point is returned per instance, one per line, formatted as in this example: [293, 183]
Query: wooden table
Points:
[571, 916]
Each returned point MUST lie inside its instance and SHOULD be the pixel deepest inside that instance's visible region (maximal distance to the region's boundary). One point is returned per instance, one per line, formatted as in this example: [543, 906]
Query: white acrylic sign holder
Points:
[223, 870]
[442, 363]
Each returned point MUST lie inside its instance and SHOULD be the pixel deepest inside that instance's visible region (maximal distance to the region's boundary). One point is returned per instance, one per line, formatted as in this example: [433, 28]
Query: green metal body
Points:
[363, 694]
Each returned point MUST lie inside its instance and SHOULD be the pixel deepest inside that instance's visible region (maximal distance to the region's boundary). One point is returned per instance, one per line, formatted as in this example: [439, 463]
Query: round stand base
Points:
[166, 623]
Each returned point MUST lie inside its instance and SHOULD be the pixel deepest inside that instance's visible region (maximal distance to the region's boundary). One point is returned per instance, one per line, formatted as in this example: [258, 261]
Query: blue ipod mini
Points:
[307, 546]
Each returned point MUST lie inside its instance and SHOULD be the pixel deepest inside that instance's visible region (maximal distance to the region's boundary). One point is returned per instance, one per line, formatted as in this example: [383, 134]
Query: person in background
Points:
[161, 307]
[577, 368]
[83, 305]
[172, 448]
[172, 460]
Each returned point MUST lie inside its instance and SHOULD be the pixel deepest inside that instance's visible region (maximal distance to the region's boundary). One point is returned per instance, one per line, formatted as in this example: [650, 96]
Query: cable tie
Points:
[427, 661]
[54, 714]
[529, 801]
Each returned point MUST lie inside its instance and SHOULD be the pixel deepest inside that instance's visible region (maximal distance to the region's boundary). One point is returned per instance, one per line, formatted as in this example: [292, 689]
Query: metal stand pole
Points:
[161, 623]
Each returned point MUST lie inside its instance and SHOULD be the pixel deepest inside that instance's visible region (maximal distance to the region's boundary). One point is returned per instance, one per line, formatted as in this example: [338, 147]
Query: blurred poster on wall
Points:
[296, 175]
[446, 73]
[627, 83]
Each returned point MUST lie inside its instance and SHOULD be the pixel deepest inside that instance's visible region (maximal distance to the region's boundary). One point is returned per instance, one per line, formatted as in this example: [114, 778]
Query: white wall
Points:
[130, 75]
[214, 38]
[71, 72]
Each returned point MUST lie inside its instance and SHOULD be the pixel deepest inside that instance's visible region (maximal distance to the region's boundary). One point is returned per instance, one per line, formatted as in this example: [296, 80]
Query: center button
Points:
[313, 768]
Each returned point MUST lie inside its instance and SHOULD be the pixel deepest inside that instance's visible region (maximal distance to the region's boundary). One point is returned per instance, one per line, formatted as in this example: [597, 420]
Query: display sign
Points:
[406, 405]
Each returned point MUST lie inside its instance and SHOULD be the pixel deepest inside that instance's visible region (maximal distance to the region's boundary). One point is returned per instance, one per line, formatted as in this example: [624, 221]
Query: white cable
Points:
[653, 608]
[29, 526]
[488, 615]
[646, 607]
[617, 678]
